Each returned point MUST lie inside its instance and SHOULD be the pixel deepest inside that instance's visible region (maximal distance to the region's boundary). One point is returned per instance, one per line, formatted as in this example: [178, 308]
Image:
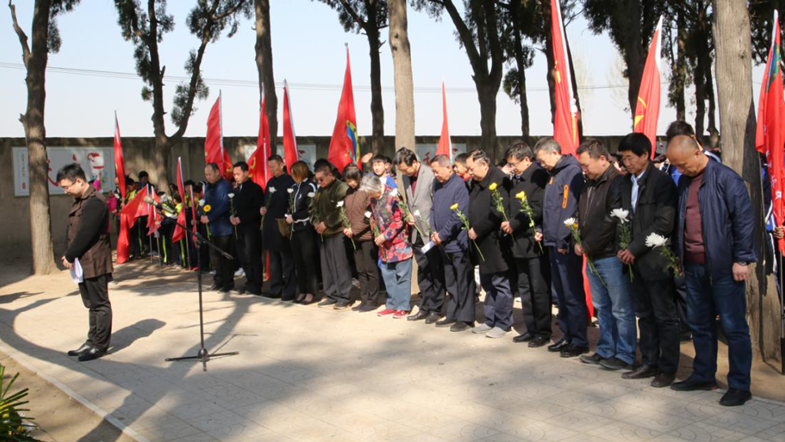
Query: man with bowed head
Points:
[215, 216]
[283, 283]
[246, 219]
[715, 241]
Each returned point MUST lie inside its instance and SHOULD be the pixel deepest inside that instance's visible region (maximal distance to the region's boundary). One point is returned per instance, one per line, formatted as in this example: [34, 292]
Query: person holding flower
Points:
[246, 219]
[531, 264]
[649, 196]
[450, 195]
[326, 219]
[609, 284]
[395, 250]
[485, 220]
[304, 240]
[283, 283]
[215, 217]
[357, 206]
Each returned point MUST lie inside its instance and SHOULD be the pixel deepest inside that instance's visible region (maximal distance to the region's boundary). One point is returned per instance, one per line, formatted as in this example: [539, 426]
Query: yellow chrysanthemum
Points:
[521, 195]
[454, 206]
[207, 208]
[492, 186]
[575, 226]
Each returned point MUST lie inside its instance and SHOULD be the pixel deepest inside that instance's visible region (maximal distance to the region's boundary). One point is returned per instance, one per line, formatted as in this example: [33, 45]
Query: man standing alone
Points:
[89, 249]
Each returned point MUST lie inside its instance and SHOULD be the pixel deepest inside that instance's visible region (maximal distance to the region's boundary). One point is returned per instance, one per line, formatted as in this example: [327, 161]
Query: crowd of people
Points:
[668, 242]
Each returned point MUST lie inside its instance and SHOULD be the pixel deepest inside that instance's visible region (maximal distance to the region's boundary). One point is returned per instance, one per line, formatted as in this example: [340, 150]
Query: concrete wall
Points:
[138, 153]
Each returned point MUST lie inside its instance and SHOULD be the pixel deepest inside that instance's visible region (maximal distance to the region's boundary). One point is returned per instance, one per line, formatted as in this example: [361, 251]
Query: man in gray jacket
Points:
[418, 184]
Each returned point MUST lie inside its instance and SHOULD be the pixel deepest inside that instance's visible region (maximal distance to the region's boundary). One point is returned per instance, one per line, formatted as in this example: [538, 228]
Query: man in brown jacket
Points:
[89, 249]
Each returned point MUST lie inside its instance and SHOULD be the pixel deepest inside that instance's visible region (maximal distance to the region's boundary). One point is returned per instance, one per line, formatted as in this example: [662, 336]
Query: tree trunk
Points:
[680, 77]
[712, 127]
[35, 134]
[635, 57]
[486, 93]
[700, 98]
[264, 65]
[377, 109]
[402, 65]
[737, 121]
[522, 98]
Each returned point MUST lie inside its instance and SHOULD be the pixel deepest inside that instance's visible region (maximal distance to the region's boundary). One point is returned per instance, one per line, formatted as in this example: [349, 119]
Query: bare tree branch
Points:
[20, 33]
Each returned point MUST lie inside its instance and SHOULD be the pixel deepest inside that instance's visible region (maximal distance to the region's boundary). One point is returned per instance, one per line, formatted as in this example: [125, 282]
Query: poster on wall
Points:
[97, 163]
[426, 151]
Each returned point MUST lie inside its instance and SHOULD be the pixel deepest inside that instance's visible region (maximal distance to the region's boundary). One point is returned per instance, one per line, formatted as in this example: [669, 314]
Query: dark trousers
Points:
[430, 279]
[306, 260]
[681, 302]
[95, 296]
[498, 300]
[283, 280]
[706, 298]
[459, 283]
[365, 259]
[224, 269]
[535, 295]
[336, 276]
[567, 288]
[249, 251]
[658, 322]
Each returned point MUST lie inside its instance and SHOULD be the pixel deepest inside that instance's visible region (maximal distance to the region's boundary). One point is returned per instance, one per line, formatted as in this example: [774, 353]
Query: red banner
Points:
[214, 151]
[647, 110]
[345, 144]
[565, 122]
[179, 232]
[124, 236]
[258, 169]
[445, 146]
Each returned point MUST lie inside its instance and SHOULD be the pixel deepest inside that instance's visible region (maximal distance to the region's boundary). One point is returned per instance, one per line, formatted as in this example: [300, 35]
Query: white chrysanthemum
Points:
[655, 240]
[290, 190]
[340, 204]
[569, 222]
[231, 195]
[394, 193]
[201, 202]
[367, 214]
[417, 213]
[311, 194]
[272, 190]
[621, 214]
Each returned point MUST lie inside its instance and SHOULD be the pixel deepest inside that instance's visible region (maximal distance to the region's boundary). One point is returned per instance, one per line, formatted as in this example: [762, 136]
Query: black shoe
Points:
[432, 318]
[641, 372]
[572, 351]
[357, 307]
[691, 384]
[419, 316]
[539, 341]
[327, 302]
[460, 326]
[214, 287]
[367, 308]
[271, 295]
[685, 336]
[225, 290]
[663, 380]
[445, 323]
[560, 345]
[242, 291]
[593, 359]
[615, 364]
[90, 354]
[79, 350]
[342, 305]
[526, 337]
[734, 397]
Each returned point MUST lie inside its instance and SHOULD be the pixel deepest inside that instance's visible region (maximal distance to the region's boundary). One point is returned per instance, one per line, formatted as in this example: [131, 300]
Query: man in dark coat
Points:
[715, 242]
[276, 203]
[485, 220]
[649, 196]
[89, 251]
[246, 219]
[448, 232]
[531, 264]
[215, 217]
[561, 202]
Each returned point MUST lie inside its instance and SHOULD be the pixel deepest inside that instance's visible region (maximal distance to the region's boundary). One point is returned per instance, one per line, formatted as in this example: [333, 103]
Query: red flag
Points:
[290, 152]
[258, 169]
[132, 210]
[344, 145]
[124, 237]
[445, 146]
[179, 232]
[214, 151]
[565, 123]
[155, 217]
[647, 110]
[770, 136]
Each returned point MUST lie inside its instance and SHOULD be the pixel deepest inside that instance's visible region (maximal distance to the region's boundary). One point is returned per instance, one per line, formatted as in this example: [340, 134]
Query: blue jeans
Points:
[398, 280]
[707, 297]
[613, 304]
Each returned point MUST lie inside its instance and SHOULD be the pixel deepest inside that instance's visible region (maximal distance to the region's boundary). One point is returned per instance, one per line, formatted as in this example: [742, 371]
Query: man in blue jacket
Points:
[714, 239]
[447, 231]
[215, 215]
[561, 202]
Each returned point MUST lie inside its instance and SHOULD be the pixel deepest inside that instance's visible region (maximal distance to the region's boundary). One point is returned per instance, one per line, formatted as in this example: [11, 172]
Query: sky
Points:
[308, 50]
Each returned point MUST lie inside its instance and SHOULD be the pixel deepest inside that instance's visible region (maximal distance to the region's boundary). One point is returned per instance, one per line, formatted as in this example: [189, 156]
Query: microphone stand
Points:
[202, 354]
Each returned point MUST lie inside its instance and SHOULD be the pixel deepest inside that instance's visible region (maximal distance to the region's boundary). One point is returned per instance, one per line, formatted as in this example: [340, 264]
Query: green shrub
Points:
[14, 425]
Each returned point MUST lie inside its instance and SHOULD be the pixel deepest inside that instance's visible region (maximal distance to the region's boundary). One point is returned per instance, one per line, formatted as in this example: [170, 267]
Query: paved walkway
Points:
[305, 374]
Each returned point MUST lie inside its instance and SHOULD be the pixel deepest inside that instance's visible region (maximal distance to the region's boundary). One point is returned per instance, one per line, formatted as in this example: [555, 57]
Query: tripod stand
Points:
[202, 354]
